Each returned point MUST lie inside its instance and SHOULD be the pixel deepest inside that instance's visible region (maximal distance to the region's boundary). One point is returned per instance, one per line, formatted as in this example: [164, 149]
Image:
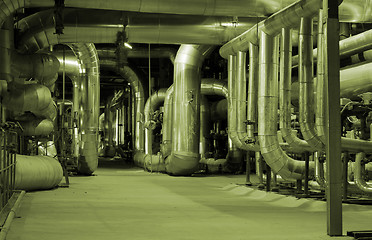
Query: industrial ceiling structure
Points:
[183, 86]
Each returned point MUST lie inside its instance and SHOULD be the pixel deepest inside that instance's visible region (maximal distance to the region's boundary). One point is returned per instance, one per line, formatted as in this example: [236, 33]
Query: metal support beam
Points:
[333, 133]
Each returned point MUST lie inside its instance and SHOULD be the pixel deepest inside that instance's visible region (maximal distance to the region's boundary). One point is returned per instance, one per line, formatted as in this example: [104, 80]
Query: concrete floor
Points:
[128, 203]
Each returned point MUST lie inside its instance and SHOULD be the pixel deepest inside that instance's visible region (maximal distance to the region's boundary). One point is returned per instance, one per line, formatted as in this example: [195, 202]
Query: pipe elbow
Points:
[88, 161]
[182, 164]
[154, 163]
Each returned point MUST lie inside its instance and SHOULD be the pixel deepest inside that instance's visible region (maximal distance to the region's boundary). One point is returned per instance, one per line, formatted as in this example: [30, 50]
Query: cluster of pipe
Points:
[265, 36]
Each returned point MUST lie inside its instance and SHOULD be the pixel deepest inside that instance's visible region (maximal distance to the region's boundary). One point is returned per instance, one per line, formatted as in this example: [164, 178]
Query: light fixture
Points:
[127, 45]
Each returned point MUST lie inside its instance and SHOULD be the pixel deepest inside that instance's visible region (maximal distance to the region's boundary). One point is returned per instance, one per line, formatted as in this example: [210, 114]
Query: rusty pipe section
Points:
[89, 108]
[359, 171]
[287, 18]
[274, 156]
[306, 98]
[285, 94]
[184, 159]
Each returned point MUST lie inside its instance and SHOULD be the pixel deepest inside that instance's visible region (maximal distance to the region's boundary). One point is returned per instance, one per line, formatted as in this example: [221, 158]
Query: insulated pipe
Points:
[219, 110]
[152, 103]
[184, 159]
[287, 18]
[37, 172]
[6, 48]
[37, 30]
[232, 106]
[320, 109]
[359, 169]
[161, 52]
[252, 92]
[274, 156]
[306, 98]
[37, 127]
[204, 126]
[166, 146]
[285, 94]
[90, 94]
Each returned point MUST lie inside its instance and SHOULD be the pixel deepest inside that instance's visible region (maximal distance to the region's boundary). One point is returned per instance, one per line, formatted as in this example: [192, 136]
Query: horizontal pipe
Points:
[37, 127]
[37, 172]
[287, 18]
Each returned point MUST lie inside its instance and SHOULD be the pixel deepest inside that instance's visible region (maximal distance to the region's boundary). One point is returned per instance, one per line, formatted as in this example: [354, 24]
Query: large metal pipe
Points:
[306, 98]
[166, 146]
[287, 18]
[274, 156]
[90, 96]
[37, 172]
[37, 30]
[359, 177]
[285, 94]
[204, 126]
[160, 52]
[184, 159]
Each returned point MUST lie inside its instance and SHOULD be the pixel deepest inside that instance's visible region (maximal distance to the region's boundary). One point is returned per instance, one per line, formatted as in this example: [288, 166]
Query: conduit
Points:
[184, 159]
[90, 94]
[274, 156]
[359, 177]
[37, 172]
[285, 94]
[306, 96]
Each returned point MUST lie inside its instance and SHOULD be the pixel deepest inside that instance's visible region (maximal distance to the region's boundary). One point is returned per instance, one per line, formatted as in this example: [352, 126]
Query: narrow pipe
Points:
[12, 214]
[90, 90]
[285, 94]
[252, 93]
[319, 170]
[307, 115]
[359, 169]
[274, 156]
[166, 146]
[184, 159]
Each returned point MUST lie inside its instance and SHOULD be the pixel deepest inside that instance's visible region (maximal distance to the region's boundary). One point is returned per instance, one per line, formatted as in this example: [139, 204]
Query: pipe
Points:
[152, 103]
[359, 169]
[166, 146]
[90, 94]
[37, 127]
[160, 52]
[219, 110]
[274, 156]
[37, 172]
[287, 18]
[12, 214]
[6, 48]
[204, 126]
[184, 159]
[306, 99]
[37, 30]
[319, 170]
[233, 118]
[285, 94]
[349, 46]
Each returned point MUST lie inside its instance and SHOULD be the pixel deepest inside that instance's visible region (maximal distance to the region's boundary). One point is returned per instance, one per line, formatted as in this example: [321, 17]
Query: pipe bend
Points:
[182, 163]
[359, 180]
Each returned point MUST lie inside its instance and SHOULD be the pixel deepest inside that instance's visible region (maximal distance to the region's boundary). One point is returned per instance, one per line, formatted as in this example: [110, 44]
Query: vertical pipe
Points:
[252, 93]
[204, 126]
[166, 146]
[333, 129]
[184, 159]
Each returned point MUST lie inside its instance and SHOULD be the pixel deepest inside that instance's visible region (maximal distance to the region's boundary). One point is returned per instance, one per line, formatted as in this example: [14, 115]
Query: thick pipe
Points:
[152, 103]
[204, 126]
[90, 94]
[287, 18]
[307, 115]
[161, 52]
[37, 172]
[359, 169]
[285, 94]
[37, 30]
[37, 127]
[252, 93]
[184, 159]
[319, 170]
[166, 146]
[274, 156]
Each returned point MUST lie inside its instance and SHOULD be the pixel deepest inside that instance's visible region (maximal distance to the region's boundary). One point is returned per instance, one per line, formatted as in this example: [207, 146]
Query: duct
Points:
[233, 118]
[359, 169]
[161, 52]
[287, 18]
[90, 86]
[37, 172]
[306, 98]
[274, 156]
[184, 159]
[288, 134]
[98, 26]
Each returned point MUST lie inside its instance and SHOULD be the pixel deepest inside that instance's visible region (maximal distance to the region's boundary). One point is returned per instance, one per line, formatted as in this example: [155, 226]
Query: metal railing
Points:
[8, 149]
